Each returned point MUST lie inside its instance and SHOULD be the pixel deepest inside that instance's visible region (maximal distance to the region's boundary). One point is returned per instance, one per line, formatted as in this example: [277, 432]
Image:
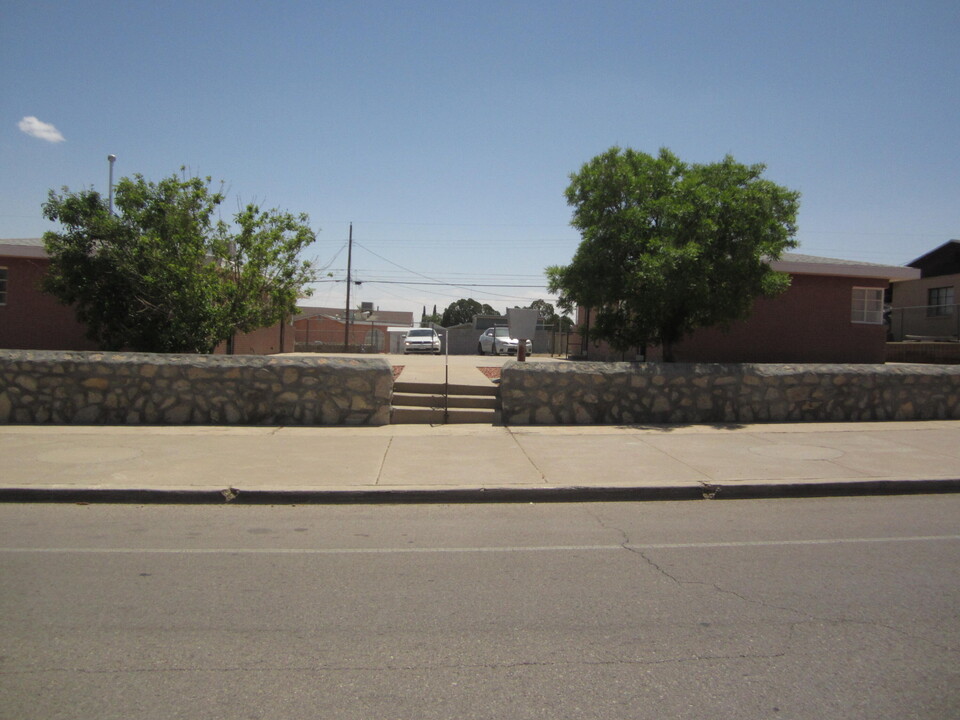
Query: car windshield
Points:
[420, 333]
[502, 332]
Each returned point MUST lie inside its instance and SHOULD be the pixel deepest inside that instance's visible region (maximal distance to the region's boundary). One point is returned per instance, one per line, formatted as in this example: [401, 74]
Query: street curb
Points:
[235, 496]
[758, 491]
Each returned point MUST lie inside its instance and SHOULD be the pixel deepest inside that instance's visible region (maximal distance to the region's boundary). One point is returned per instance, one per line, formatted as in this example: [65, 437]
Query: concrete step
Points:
[437, 401]
[438, 389]
[431, 416]
[424, 403]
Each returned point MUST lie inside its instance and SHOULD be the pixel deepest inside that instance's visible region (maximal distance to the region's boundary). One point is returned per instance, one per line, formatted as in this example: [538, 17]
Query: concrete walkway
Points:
[474, 463]
[455, 369]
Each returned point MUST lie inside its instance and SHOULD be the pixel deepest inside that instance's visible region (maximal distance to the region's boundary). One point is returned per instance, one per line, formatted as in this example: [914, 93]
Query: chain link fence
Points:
[361, 338]
[925, 323]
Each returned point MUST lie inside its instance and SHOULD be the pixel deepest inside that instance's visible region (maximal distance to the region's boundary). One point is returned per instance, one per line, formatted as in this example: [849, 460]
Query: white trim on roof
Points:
[22, 247]
[806, 265]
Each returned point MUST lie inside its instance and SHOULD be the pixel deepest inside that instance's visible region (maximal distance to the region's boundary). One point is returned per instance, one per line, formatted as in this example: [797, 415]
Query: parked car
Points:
[497, 341]
[424, 340]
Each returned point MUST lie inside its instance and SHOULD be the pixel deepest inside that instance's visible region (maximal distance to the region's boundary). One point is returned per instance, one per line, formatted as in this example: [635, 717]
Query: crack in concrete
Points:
[710, 490]
[383, 460]
[513, 437]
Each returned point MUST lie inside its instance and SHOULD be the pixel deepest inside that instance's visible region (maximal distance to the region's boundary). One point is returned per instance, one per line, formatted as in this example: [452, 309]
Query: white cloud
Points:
[39, 129]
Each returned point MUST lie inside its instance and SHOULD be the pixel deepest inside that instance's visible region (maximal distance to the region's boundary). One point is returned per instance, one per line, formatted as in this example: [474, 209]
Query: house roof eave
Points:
[796, 264]
[23, 247]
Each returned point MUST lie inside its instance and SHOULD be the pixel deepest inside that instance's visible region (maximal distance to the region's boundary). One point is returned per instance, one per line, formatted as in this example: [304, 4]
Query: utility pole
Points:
[346, 314]
[111, 159]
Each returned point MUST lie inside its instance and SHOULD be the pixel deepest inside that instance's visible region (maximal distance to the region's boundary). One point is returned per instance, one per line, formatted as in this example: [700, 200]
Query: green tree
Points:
[670, 246]
[561, 323]
[163, 275]
[463, 310]
[266, 277]
[432, 319]
[547, 313]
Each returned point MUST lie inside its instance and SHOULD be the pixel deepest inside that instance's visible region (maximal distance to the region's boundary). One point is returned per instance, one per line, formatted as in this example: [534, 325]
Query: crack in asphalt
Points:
[807, 617]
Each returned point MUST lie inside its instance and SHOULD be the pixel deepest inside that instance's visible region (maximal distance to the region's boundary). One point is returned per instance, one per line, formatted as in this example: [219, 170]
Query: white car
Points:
[497, 341]
[423, 340]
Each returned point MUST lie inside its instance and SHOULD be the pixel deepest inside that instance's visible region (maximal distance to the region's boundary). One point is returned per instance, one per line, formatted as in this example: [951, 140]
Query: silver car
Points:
[423, 340]
[497, 341]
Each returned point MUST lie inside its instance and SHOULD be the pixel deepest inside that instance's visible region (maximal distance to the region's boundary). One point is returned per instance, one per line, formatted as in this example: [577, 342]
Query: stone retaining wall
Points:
[90, 388]
[628, 393]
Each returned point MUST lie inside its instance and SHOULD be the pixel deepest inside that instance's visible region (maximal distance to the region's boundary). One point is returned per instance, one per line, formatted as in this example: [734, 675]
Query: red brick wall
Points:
[265, 341]
[808, 323]
[329, 332]
[32, 320]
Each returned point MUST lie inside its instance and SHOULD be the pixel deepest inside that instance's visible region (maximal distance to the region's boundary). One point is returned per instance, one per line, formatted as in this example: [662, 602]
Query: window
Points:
[867, 306]
[3, 286]
[940, 301]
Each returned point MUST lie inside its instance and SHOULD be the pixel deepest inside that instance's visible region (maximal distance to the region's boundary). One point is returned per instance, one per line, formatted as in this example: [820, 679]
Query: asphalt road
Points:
[827, 608]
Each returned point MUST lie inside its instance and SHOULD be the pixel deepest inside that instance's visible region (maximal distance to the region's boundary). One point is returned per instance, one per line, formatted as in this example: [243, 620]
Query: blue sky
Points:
[446, 131]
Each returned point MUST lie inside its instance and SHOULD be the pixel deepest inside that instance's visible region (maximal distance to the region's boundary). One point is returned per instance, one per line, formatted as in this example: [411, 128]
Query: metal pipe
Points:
[112, 159]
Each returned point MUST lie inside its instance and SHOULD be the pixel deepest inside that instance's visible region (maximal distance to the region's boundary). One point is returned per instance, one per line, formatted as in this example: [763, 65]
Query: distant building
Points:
[323, 329]
[927, 307]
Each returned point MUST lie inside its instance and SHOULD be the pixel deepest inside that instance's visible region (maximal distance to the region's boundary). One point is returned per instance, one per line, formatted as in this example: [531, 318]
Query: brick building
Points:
[832, 313]
[33, 320]
[29, 318]
[929, 307]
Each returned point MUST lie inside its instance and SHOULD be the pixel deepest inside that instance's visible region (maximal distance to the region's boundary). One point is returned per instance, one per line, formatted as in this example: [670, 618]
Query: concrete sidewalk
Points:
[474, 463]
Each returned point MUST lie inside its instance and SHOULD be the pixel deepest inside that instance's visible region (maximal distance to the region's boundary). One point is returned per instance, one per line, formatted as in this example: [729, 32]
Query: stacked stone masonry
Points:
[90, 388]
[630, 393]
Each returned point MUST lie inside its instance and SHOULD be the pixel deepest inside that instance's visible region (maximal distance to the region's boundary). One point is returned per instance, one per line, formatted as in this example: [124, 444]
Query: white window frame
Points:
[866, 307]
[3, 285]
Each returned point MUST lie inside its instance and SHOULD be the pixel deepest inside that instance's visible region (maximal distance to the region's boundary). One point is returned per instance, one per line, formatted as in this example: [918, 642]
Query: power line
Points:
[465, 285]
[433, 281]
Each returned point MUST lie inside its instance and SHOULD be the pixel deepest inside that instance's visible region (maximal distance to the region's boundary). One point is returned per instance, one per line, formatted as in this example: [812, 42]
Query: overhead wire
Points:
[432, 280]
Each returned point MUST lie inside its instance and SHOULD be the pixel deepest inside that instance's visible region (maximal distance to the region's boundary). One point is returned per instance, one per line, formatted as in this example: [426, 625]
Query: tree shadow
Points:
[665, 428]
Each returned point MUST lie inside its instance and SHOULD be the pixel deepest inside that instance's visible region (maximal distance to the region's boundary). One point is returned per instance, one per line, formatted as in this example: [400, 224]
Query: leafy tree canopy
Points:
[164, 274]
[433, 319]
[670, 246]
[550, 316]
[463, 310]
[546, 310]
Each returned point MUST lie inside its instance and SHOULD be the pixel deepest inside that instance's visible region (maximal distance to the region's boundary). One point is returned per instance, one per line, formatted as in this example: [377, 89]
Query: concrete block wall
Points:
[636, 393]
[99, 388]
